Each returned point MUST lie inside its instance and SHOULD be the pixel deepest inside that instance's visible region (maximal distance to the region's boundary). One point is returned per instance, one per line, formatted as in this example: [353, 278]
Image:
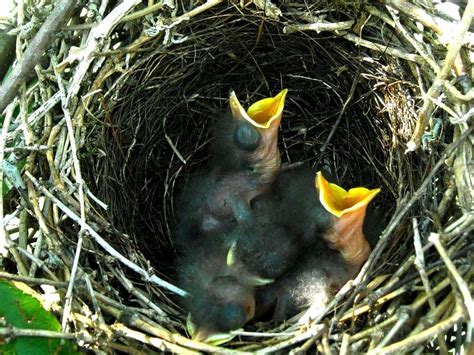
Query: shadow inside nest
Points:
[162, 121]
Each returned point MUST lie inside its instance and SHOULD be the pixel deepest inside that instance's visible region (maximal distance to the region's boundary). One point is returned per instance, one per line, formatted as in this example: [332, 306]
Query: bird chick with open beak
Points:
[347, 210]
[245, 160]
[331, 227]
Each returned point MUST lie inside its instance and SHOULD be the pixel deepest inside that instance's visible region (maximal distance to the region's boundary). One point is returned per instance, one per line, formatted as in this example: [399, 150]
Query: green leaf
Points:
[21, 310]
[5, 187]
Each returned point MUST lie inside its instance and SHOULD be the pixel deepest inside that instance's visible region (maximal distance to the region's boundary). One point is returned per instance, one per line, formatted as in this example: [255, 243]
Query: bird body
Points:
[313, 281]
[245, 161]
[221, 298]
[262, 243]
[329, 222]
[211, 204]
[251, 238]
[222, 289]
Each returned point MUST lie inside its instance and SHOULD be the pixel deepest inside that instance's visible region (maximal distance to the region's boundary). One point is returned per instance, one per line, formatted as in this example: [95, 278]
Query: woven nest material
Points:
[119, 112]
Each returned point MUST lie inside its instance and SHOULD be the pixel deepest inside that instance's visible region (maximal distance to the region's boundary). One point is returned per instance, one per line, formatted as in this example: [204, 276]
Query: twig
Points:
[262, 335]
[39, 113]
[69, 296]
[414, 12]
[345, 344]
[415, 44]
[3, 137]
[420, 266]
[380, 301]
[403, 316]
[106, 246]
[92, 295]
[153, 341]
[13, 332]
[32, 280]
[185, 17]
[319, 27]
[454, 92]
[16, 256]
[315, 330]
[133, 16]
[304, 347]
[139, 294]
[453, 50]
[409, 343]
[39, 263]
[29, 148]
[65, 103]
[146, 325]
[35, 50]
[463, 287]
[96, 37]
[396, 52]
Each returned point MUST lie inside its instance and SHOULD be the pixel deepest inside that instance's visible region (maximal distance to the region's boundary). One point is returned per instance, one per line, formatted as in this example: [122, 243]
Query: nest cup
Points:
[333, 117]
[146, 125]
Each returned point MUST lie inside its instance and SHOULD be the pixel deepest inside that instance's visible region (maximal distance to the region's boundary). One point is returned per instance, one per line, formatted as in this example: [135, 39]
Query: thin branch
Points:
[411, 342]
[435, 89]
[151, 278]
[13, 332]
[35, 50]
[463, 287]
[3, 136]
[96, 37]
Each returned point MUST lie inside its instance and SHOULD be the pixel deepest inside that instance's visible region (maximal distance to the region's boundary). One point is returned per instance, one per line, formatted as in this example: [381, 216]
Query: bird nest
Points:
[119, 111]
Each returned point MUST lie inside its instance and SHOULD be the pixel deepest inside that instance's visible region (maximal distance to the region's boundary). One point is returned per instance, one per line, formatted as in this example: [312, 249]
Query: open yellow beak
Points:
[338, 201]
[261, 114]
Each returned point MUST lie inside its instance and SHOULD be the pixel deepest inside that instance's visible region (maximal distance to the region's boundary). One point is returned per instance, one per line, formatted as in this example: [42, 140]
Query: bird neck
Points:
[266, 162]
[347, 237]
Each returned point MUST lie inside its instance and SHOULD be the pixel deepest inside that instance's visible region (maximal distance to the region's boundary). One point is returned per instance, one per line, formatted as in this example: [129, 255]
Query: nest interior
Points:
[335, 116]
[145, 127]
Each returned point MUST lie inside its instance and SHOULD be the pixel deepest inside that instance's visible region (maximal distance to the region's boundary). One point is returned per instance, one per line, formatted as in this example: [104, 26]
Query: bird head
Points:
[228, 305]
[348, 208]
[256, 130]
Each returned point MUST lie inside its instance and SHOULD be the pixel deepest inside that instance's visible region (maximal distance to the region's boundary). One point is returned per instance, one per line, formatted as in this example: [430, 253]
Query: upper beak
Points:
[338, 201]
[262, 114]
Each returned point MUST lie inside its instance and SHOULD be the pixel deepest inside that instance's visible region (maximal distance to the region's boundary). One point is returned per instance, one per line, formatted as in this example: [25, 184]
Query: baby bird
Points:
[263, 244]
[299, 207]
[314, 280]
[347, 209]
[245, 161]
[332, 228]
[222, 290]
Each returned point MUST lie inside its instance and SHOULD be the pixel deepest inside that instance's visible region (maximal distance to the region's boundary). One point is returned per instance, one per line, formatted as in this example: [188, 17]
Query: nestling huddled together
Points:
[255, 240]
